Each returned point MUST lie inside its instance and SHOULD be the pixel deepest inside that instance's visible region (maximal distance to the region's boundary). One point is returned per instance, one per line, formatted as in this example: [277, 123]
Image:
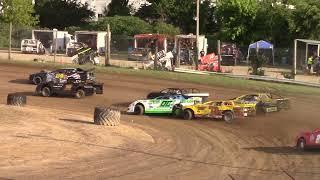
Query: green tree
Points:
[180, 13]
[306, 19]
[237, 19]
[127, 25]
[118, 7]
[164, 28]
[17, 12]
[62, 13]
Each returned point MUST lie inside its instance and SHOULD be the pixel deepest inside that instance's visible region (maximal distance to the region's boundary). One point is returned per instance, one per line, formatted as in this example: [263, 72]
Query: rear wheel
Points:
[228, 116]
[80, 94]
[188, 114]
[139, 110]
[37, 80]
[301, 144]
[46, 92]
[177, 111]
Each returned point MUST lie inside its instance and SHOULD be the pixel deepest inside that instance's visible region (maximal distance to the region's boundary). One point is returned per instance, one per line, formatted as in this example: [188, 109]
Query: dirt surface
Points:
[54, 139]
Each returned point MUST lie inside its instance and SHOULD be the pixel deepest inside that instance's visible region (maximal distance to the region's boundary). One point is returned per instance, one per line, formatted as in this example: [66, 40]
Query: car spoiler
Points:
[197, 94]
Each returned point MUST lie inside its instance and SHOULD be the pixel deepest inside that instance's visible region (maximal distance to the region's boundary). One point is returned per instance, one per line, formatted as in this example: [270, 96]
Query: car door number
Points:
[165, 104]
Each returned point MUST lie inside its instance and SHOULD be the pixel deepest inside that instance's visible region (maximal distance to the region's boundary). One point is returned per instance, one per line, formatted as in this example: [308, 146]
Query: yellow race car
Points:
[226, 110]
[262, 102]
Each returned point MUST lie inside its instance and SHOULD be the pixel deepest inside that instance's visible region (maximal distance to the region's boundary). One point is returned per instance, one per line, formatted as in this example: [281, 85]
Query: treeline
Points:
[240, 21]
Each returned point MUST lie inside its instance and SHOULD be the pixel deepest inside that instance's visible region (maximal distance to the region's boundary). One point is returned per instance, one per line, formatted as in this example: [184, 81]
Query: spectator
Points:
[310, 62]
[202, 53]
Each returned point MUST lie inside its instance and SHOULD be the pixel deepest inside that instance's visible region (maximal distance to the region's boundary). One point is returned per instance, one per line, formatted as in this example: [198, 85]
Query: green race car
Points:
[167, 104]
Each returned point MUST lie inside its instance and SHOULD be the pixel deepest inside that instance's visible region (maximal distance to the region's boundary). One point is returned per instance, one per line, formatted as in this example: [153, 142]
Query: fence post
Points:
[107, 47]
[178, 54]
[10, 40]
[219, 55]
[156, 57]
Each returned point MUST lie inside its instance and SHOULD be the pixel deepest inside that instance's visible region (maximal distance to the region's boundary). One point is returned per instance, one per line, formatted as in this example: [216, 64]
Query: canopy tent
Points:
[261, 45]
[307, 43]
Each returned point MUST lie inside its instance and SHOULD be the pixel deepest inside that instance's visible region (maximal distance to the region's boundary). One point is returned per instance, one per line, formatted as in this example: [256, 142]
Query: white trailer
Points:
[48, 38]
[94, 39]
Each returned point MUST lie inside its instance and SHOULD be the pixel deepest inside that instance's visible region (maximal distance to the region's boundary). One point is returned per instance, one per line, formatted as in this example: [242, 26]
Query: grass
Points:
[211, 80]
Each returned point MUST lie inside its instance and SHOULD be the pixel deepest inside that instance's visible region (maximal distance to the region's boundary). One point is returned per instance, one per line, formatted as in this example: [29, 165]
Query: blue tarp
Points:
[261, 45]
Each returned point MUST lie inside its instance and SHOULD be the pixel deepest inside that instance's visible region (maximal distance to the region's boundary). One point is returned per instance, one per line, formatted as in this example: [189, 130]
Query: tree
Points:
[237, 20]
[179, 13]
[164, 28]
[306, 19]
[17, 12]
[122, 25]
[118, 7]
[62, 13]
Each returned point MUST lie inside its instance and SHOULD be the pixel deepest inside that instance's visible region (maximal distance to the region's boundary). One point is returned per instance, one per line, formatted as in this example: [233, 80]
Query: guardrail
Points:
[251, 77]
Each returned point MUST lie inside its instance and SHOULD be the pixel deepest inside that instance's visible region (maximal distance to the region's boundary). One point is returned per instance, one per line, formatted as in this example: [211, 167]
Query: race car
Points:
[306, 140]
[225, 110]
[173, 91]
[167, 104]
[78, 90]
[262, 102]
[72, 74]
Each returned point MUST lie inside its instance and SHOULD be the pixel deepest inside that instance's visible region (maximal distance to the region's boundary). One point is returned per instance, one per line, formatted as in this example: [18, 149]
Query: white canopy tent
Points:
[307, 42]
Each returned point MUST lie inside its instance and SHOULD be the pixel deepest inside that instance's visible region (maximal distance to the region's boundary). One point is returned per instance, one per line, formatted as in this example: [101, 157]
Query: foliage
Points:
[19, 32]
[163, 28]
[62, 13]
[122, 25]
[18, 12]
[179, 13]
[257, 61]
[306, 19]
[237, 19]
[118, 7]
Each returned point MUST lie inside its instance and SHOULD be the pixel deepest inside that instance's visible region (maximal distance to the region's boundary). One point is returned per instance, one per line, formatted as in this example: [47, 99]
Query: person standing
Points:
[310, 62]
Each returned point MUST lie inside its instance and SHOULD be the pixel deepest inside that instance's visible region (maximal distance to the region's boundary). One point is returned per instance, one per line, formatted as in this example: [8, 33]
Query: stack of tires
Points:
[15, 99]
[106, 116]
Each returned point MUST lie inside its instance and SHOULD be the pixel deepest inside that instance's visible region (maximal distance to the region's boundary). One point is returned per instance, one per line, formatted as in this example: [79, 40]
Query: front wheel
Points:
[228, 116]
[139, 110]
[46, 92]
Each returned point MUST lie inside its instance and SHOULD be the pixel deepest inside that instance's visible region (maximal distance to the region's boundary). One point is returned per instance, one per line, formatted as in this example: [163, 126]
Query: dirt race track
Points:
[54, 138]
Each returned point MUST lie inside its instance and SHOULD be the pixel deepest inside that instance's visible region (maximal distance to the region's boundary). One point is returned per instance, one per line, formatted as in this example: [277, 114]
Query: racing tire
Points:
[301, 144]
[177, 111]
[37, 80]
[228, 116]
[80, 94]
[187, 114]
[16, 99]
[139, 109]
[46, 92]
[106, 116]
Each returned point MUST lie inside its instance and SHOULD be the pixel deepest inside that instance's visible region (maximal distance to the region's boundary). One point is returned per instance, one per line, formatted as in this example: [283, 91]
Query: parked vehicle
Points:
[307, 140]
[32, 46]
[225, 110]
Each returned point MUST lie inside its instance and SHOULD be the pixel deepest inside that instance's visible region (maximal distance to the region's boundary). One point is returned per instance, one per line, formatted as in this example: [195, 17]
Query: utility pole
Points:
[107, 46]
[10, 40]
[197, 33]
[55, 44]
